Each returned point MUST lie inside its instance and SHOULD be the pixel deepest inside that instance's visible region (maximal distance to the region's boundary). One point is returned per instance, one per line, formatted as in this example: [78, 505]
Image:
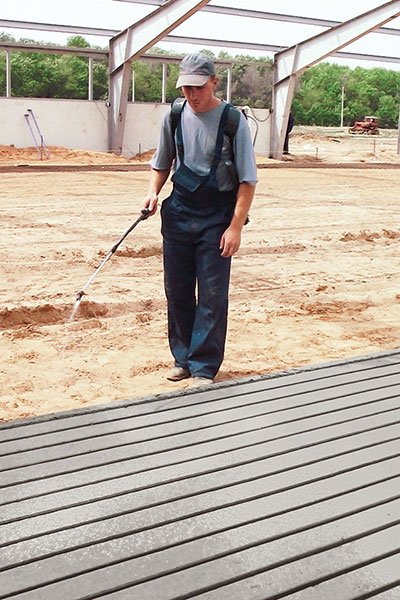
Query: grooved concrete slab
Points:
[283, 486]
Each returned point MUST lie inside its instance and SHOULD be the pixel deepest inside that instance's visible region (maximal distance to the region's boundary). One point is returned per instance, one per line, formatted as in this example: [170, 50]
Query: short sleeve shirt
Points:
[199, 132]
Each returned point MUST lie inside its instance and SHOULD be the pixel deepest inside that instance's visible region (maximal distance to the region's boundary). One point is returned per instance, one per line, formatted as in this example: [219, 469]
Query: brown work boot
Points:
[178, 373]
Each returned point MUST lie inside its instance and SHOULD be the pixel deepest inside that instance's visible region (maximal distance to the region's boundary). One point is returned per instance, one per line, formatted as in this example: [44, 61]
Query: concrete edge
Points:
[189, 391]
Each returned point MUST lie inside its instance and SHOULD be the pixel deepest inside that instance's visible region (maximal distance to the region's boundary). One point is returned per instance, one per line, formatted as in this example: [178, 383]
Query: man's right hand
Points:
[157, 180]
[150, 203]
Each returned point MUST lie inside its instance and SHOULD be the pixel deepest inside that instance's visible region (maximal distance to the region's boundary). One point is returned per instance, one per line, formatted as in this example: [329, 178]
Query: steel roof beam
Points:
[186, 40]
[192, 40]
[53, 27]
[92, 52]
[257, 14]
[314, 49]
[239, 12]
[270, 47]
[139, 37]
[51, 49]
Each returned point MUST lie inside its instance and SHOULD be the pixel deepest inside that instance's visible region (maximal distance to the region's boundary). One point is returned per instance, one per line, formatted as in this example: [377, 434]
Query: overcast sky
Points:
[114, 14]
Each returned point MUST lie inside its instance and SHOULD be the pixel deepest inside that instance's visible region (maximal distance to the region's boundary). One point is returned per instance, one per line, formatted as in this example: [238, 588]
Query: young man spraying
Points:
[202, 219]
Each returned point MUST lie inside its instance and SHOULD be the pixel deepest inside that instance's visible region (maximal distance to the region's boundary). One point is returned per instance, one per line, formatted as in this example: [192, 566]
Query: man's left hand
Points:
[230, 241]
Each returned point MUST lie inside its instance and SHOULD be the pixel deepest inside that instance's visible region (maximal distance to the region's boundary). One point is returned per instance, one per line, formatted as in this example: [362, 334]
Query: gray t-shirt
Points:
[199, 131]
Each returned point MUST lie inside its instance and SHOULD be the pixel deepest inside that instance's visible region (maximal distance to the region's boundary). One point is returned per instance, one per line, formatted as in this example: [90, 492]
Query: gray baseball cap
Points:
[195, 69]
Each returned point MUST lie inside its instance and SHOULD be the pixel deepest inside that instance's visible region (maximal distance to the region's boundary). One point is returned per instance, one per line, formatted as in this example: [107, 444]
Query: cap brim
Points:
[195, 80]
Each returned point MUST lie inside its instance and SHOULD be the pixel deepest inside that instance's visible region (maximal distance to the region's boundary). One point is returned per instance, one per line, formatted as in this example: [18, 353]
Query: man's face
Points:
[201, 98]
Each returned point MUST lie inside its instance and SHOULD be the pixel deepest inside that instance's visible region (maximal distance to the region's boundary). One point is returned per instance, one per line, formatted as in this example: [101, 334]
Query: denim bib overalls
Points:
[194, 218]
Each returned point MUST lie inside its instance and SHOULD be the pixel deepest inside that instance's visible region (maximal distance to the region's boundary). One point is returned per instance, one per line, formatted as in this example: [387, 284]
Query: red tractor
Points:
[368, 126]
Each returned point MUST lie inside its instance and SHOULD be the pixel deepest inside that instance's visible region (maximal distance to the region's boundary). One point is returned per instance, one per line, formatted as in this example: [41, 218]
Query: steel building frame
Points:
[291, 62]
[128, 45]
[288, 63]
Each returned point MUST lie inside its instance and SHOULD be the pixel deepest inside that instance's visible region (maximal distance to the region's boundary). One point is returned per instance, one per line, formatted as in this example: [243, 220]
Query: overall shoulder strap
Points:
[176, 111]
[232, 122]
[231, 125]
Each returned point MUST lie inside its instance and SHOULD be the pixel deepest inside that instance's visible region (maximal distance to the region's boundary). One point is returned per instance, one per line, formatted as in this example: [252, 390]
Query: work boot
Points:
[201, 381]
[178, 373]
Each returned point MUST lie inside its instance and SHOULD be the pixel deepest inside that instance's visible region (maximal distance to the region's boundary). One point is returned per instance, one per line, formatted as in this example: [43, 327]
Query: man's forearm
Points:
[230, 240]
[244, 200]
[157, 180]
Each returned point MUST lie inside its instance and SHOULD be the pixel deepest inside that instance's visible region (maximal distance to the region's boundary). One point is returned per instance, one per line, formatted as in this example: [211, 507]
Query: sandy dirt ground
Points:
[317, 277]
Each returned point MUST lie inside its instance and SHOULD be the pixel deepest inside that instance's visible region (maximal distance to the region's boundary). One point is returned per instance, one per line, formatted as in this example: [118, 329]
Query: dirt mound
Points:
[144, 252]
[47, 314]
[60, 155]
[336, 307]
[23, 316]
[369, 236]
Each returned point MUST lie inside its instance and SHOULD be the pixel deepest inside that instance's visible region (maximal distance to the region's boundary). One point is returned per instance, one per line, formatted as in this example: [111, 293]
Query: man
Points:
[288, 130]
[202, 220]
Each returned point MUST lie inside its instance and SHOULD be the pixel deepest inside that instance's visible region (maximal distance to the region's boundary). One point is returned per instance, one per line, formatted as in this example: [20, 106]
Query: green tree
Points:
[367, 92]
[318, 97]
[45, 75]
[148, 78]
[100, 79]
[388, 111]
[317, 100]
[75, 70]
[2, 73]
[252, 82]
[35, 74]
[172, 91]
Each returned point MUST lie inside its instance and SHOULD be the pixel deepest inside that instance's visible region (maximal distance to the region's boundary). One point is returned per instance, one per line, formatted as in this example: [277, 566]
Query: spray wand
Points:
[144, 214]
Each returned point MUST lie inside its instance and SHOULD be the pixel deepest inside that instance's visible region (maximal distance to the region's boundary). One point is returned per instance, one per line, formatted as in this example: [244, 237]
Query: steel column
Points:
[229, 85]
[8, 74]
[164, 83]
[90, 79]
[119, 89]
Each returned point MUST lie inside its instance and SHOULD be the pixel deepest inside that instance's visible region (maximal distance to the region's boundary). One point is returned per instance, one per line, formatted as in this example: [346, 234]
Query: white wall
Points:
[75, 124]
[259, 123]
[80, 124]
[143, 122]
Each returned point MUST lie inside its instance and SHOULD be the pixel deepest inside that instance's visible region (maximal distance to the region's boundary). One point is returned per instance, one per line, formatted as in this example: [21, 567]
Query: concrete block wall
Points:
[80, 124]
